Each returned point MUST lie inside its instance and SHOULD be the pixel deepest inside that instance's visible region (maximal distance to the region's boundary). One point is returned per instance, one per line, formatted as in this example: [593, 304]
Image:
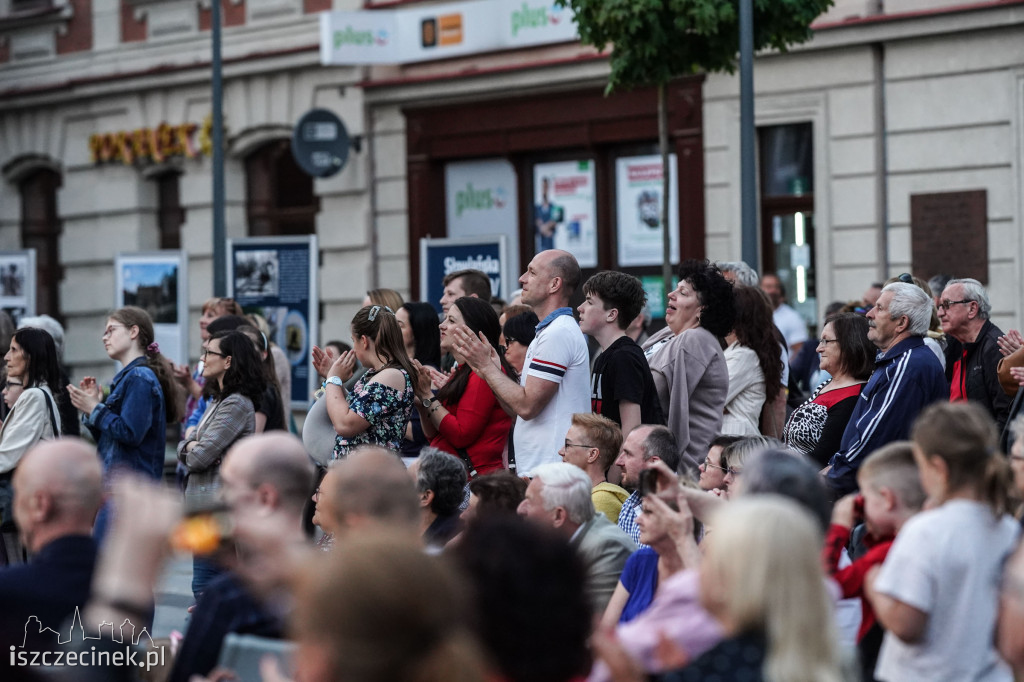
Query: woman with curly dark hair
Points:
[686, 358]
[755, 367]
[465, 418]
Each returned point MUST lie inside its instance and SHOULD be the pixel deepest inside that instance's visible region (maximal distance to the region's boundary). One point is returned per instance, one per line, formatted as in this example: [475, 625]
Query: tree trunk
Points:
[666, 241]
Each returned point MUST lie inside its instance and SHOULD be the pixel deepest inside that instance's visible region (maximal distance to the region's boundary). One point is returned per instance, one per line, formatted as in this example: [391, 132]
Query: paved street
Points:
[173, 596]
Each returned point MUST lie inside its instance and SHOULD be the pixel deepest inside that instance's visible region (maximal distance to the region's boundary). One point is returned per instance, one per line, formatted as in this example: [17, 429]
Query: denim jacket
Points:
[130, 427]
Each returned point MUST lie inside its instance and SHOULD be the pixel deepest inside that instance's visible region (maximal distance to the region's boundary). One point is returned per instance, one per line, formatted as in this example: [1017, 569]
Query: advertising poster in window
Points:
[276, 277]
[18, 283]
[481, 200]
[157, 282]
[638, 189]
[564, 209]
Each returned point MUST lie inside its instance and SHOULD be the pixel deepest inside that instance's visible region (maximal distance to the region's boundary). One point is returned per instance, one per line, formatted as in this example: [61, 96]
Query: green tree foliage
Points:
[654, 41]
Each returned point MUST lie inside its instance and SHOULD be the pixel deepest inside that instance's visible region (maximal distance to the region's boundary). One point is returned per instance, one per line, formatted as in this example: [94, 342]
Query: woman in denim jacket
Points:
[130, 424]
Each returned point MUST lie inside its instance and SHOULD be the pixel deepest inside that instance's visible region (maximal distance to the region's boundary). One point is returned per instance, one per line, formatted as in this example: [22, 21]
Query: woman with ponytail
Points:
[130, 424]
[937, 594]
[377, 410]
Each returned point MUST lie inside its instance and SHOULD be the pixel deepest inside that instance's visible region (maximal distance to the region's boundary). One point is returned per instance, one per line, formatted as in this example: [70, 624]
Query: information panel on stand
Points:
[276, 277]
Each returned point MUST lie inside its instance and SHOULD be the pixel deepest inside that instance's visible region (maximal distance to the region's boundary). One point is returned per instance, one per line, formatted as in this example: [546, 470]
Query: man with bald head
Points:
[556, 374]
[368, 491]
[265, 482]
[58, 488]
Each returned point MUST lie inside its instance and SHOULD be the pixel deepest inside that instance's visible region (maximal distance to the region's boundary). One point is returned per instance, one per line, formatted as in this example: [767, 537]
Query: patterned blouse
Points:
[386, 409]
[816, 427]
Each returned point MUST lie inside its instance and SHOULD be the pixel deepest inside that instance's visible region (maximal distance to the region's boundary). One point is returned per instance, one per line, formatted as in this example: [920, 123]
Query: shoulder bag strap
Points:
[49, 408]
[464, 456]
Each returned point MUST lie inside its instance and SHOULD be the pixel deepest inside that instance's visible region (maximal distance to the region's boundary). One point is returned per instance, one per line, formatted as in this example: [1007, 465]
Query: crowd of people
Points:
[535, 492]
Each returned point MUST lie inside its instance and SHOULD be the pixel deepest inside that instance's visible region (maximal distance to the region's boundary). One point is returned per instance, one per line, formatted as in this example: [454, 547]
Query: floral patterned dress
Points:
[386, 409]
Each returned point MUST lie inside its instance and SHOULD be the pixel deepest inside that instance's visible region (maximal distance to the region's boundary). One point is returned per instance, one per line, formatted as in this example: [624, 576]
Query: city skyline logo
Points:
[135, 651]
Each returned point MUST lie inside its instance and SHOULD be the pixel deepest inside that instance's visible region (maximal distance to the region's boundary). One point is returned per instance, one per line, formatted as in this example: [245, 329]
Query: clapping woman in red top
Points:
[465, 418]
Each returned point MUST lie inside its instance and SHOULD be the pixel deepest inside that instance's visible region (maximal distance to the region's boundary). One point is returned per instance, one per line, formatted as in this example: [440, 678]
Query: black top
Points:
[271, 406]
[739, 659]
[621, 373]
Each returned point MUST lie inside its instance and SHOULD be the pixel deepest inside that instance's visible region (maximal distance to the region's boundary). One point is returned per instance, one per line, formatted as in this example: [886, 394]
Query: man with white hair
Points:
[558, 497]
[738, 272]
[964, 312]
[907, 378]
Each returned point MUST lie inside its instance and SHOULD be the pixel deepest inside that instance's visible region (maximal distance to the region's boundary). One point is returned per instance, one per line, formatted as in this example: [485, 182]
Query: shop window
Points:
[787, 212]
[169, 214]
[40, 230]
[279, 194]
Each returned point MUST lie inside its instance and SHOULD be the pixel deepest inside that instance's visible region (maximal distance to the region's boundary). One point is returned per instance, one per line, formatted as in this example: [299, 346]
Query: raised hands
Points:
[322, 360]
[86, 396]
[1010, 342]
[475, 349]
[423, 380]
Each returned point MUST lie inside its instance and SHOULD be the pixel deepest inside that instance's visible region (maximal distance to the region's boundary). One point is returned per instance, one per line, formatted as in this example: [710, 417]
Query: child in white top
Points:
[937, 592]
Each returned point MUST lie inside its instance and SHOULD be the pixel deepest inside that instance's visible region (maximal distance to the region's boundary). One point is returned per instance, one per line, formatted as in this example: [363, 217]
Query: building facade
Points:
[104, 108]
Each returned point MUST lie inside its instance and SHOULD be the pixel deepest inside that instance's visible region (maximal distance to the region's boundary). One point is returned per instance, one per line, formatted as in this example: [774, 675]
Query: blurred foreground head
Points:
[382, 610]
[368, 491]
[58, 488]
[517, 571]
[762, 574]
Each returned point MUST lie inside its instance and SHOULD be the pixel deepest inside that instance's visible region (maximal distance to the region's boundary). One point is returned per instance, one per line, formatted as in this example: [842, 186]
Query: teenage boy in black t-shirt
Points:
[621, 386]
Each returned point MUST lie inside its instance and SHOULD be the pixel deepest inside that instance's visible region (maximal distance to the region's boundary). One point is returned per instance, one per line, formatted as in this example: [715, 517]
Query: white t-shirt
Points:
[947, 562]
[792, 326]
[558, 353]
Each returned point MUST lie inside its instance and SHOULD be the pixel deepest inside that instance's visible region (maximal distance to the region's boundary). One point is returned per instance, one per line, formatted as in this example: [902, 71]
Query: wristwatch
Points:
[427, 402]
[336, 381]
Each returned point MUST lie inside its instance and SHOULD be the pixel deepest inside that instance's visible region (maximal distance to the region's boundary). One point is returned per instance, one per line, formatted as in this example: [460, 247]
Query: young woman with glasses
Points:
[130, 424]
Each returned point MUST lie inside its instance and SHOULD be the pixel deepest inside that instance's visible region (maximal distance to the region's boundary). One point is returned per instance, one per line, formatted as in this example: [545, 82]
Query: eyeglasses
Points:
[110, 330]
[906, 278]
[733, 471]
[576, 445]
[707, 463]
[947, 304]
[824, 342]
[13, 384]
[207, 351]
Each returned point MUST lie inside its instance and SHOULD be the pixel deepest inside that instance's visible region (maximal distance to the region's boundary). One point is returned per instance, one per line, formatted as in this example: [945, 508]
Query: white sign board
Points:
[481, 199]
[157, 282]
[565, 210]
[638, 189]
[423, 33]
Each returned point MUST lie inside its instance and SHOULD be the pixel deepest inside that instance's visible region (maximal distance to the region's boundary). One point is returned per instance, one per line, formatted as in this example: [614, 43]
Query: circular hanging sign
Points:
[320, 143]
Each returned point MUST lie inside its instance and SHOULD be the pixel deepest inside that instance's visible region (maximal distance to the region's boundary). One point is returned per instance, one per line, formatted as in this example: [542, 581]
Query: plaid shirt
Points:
[627, 517]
